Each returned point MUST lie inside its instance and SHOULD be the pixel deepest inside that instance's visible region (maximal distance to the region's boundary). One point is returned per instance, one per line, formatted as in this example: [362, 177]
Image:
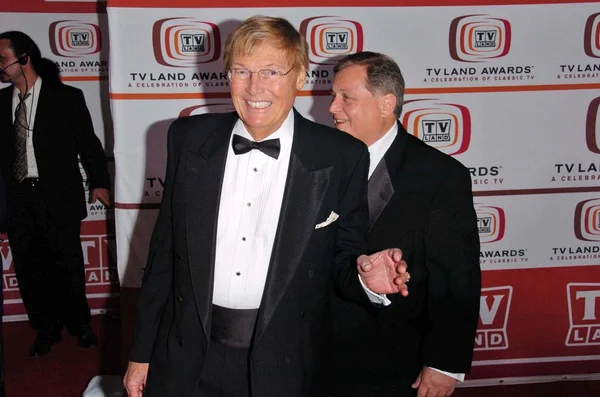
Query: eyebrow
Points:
[262, 67]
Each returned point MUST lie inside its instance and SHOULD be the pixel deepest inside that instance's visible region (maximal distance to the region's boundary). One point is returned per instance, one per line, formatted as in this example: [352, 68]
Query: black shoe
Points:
[87, 339]
[42, 344]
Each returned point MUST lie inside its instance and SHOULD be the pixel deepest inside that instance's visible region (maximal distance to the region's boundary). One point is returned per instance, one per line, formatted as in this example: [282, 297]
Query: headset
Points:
[21, 60]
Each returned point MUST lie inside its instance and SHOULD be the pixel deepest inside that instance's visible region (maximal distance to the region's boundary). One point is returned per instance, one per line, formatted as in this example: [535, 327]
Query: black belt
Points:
[233, 327]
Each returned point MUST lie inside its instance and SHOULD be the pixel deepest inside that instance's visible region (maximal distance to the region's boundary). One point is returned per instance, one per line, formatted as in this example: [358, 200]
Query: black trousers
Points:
[48, 262]
[225, 372]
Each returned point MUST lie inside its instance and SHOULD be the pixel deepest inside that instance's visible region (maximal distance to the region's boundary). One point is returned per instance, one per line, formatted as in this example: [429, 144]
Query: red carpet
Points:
[66, 371]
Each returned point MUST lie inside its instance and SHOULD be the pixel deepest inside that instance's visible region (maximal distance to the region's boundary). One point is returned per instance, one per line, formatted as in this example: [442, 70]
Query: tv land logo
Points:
[591, 38]
[185, 42]
[491, 222]
[217, 107]
[99, 258]
[592, 127]
[477, 38]
[493, 318]
[584, 314]
[9, 279]
[445, 126]
[330, 38]
[74, 39]
[587, 220]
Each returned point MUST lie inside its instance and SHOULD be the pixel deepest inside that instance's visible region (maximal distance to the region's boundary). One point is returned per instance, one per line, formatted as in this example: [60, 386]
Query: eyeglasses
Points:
[265, 75]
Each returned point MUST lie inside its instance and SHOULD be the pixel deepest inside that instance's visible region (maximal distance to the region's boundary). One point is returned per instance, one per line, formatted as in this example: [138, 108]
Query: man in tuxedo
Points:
[263, 215]
[44, 127]
[420, 200]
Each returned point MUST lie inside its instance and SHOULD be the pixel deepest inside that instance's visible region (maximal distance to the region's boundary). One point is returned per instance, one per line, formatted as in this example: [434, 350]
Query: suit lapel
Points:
[380, 191]
[381, 186]
[204, 170]
[307, 182]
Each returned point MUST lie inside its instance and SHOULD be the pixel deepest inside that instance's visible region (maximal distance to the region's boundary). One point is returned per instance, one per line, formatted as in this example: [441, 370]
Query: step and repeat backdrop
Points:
[511, 90]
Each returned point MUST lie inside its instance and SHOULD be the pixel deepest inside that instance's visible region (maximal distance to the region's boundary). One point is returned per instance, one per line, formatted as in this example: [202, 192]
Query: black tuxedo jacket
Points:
[62, 130]
[292, 339]
[421, 203]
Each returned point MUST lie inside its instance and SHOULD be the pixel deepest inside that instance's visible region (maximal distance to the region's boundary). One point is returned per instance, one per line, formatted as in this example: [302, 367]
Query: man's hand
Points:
[134, 380]
[384, 272]
[432, 383]
[100, 194]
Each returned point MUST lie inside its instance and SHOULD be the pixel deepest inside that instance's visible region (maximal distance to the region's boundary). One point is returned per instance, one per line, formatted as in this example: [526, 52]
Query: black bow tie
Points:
[269, 147]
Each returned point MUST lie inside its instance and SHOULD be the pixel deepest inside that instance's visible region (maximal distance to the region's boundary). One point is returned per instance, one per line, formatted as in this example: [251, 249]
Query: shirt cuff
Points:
[380, 299]
[459, 377]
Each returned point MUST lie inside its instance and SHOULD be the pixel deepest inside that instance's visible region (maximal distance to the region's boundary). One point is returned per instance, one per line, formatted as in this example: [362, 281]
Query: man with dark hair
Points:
[45, 127]
[420, 201]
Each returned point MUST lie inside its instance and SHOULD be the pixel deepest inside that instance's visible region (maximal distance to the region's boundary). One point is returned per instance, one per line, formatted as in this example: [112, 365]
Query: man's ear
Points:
[301, 80]
[387, 104]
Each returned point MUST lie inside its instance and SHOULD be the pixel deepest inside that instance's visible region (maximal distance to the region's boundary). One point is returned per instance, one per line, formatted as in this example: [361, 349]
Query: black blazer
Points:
[62, 130]
[290, 347]
[422, 203]
[3, 210]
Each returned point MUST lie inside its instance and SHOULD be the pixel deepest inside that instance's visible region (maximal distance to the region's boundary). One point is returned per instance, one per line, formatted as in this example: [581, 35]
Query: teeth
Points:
[259, 105]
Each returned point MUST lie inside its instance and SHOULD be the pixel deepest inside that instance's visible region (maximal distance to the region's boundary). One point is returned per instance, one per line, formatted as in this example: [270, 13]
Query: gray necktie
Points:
[21, 126]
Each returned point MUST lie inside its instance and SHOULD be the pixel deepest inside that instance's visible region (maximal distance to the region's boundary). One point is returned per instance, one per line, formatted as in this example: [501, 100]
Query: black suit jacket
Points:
[62, 130]
[3, 210]
[422, 203]
[292, 338]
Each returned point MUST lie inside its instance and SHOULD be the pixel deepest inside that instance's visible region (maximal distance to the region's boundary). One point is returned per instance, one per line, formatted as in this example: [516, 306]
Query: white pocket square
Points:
[330, 219]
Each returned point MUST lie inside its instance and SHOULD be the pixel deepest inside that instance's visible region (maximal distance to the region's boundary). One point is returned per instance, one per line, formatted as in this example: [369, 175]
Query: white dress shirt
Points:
[31, 103]
[251, 199]
[376, 152]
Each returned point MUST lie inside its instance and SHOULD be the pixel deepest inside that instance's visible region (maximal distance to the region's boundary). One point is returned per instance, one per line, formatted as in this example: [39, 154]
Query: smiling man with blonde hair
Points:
[263, 214]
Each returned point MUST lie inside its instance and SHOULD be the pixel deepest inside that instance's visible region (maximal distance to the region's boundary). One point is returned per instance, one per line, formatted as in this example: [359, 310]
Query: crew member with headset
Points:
[45, 128]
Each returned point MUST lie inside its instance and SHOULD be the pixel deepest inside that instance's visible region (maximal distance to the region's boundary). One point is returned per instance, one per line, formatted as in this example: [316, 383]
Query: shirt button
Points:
[238, 273]
[249, 204]
[255, 169]
[243, 238]
[311, 273]
[288, 359]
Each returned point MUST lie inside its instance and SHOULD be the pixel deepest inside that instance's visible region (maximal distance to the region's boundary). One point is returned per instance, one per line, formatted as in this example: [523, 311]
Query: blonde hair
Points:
[258, 30]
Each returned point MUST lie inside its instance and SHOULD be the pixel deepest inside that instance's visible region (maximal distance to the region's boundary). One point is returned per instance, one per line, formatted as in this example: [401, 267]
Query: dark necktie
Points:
[21, 126]
[242, 145]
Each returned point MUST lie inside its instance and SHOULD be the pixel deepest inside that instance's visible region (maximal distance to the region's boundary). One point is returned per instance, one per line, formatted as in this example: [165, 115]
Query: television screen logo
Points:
[491, 222]
[74, 39]
[476, 38]
[9, 279]
[493, 318]
[330, 38]
[591, 38]
[185, 42]
[445, 126]
[587, 220]
[221, 107]
[584, 314]
[592, 128]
